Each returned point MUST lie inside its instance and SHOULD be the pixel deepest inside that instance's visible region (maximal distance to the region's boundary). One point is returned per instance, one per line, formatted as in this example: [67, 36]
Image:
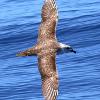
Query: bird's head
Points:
[65, 48]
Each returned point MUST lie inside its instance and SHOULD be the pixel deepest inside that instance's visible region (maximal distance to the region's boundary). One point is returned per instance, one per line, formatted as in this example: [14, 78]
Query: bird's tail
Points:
[28, 52]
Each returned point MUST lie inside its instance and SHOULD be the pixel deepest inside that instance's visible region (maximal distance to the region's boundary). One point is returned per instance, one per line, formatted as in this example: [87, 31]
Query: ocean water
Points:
[79, 26]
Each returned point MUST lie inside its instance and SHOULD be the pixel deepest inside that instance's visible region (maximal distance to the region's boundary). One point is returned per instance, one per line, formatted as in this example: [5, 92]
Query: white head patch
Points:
[64, 45]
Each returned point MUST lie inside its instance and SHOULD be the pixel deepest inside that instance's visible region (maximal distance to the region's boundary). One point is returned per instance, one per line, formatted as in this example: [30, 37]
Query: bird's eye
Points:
[68, 47]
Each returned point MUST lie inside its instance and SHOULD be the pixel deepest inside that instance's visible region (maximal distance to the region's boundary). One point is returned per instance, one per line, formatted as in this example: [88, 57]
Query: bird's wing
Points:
[49, 75]
[49, 20]
[49, 10]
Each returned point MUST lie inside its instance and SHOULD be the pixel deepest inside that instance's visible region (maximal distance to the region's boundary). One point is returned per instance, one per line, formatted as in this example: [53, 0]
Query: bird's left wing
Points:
[49, 75]
[49, 20]
[49, 10]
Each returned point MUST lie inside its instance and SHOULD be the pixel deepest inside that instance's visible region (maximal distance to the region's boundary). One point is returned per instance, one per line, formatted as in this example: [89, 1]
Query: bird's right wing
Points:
[49, 75]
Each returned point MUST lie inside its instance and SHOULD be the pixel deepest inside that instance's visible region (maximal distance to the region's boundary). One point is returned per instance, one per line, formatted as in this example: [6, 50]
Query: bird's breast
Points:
[46, 47]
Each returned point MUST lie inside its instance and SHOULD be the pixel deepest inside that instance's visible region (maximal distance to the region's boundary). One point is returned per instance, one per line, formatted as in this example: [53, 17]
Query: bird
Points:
[46, 49]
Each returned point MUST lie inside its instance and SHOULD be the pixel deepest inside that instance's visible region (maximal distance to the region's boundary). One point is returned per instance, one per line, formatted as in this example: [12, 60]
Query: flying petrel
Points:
[46, 48]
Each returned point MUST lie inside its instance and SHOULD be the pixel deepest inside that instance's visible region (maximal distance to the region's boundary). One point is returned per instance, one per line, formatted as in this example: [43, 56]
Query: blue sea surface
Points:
[79, 26]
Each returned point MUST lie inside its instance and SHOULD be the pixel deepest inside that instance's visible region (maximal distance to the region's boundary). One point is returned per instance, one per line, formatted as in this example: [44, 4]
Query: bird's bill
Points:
[71, 50]
[65, 50]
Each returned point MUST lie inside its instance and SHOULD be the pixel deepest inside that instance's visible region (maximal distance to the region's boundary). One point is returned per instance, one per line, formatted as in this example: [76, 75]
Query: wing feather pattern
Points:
[49, 10]
[46, 58]
[49, 21]
[50, 88]
[47, 68]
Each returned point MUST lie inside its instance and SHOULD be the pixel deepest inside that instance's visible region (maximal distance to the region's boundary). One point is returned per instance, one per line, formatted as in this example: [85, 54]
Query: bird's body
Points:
[46, 48]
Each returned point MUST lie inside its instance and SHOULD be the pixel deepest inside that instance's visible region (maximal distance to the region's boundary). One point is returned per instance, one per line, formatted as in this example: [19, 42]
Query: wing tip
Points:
[50, 89]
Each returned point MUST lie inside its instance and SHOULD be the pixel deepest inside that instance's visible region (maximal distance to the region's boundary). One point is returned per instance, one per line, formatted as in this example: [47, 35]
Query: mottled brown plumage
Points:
[47, 55]
[46, 49]
[49, 21]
